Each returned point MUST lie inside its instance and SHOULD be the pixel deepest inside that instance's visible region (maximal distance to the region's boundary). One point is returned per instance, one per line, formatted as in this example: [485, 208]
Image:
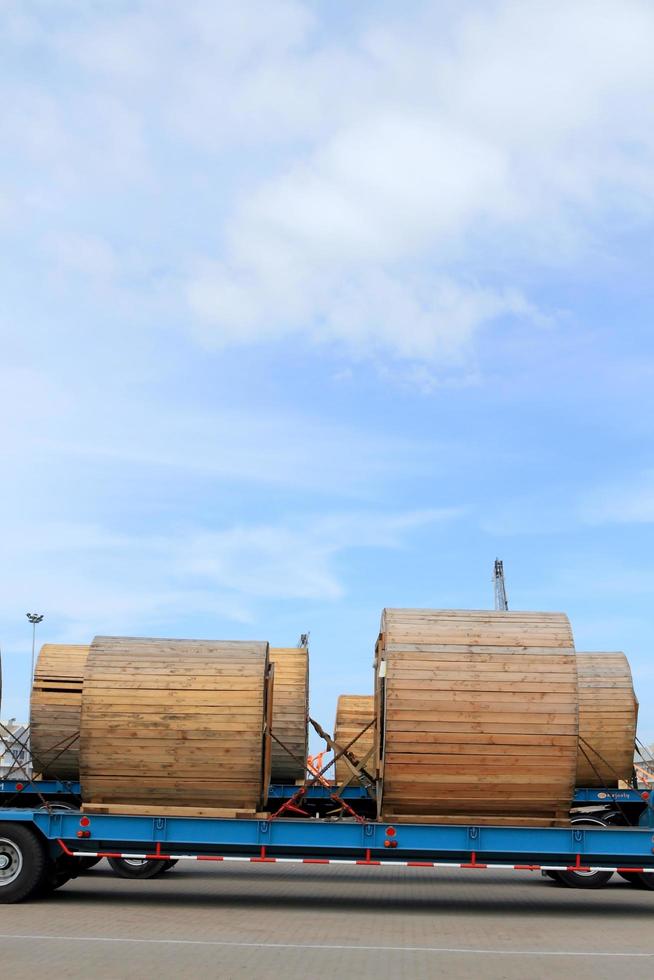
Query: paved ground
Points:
[289, 922]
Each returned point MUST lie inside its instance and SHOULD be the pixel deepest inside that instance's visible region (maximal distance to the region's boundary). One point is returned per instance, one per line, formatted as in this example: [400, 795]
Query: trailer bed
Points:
[65, 833]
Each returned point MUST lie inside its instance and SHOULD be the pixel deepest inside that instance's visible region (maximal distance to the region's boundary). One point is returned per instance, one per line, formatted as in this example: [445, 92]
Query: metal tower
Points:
[501, 601]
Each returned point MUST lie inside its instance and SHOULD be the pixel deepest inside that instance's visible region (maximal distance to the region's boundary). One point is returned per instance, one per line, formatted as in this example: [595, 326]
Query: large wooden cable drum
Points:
[477, 714]
[608, 712]
[290, 713]
[55, 710]
[176, 722]
[353, 713]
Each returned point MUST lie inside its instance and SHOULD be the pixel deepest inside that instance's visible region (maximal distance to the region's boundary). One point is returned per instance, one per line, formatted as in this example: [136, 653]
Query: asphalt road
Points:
[295, 921]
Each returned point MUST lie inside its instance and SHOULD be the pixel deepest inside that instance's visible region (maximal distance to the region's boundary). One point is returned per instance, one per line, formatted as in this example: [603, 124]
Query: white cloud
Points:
[516, 134]
[389, 187]
[369, 316]
[85, 256]
[296, 560]
[66, 148]
[314, 251]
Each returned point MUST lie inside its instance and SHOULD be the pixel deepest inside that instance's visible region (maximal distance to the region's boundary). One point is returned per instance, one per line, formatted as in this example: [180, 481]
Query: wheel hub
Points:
[11, 862]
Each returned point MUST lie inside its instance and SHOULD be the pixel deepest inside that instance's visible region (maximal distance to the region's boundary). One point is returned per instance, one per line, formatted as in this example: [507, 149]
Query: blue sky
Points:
[310, 309]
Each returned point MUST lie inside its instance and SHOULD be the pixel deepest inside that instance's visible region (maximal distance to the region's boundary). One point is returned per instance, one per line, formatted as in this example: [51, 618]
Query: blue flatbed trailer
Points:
[53, 788]
[40, 846]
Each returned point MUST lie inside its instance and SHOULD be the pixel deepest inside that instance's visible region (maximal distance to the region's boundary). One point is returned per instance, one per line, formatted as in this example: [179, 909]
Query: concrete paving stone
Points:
[296, 922]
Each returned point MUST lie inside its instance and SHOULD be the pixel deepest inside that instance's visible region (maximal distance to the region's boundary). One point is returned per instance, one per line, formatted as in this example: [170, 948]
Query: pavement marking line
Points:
[326, 946]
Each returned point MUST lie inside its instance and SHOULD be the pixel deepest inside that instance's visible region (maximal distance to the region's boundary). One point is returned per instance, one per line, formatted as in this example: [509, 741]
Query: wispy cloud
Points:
[97, 579]
[625, 501]
[65, 426]
[389, 192]
[450, 159]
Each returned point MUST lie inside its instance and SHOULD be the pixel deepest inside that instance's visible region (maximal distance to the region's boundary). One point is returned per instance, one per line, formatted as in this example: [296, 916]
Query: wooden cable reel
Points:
[290, 713]
[176, 722]
[477, 715]
[608, 711]
[55, 710]
[353, 713]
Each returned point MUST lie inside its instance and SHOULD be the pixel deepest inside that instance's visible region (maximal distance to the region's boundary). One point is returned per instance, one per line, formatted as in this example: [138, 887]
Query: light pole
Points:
[34, 618]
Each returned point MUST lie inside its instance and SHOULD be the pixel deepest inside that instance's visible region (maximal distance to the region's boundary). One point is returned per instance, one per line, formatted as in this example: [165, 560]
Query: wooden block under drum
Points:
[144, 810]
[476, 821]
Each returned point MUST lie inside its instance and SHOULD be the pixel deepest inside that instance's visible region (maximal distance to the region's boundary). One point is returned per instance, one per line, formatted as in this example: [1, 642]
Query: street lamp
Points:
[34, 618]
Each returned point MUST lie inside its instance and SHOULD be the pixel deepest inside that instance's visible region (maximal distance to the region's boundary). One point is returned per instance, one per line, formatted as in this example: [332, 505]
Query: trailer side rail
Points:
[467, 846]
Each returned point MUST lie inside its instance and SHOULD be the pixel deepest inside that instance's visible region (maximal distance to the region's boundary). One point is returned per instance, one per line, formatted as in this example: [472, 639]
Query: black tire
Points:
[60, 878]
[168, 865]
[638, 880]
[577, 879]
[53, 878]
[128, 868]
[585, 879]
[24, 859]
[85, 864]
[58, 872]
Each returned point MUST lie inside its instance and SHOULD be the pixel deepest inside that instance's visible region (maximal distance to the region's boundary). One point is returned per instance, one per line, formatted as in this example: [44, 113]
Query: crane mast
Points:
[501, 601]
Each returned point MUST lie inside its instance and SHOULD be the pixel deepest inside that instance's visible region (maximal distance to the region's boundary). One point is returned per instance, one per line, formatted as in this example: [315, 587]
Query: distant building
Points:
[15, 758]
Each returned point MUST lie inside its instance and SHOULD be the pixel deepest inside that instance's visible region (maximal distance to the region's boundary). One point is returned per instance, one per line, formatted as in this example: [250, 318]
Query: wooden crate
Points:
[477, 713]
[608, 711]
[55, 710]
[290, 712]
[176, 722]
[353, 713]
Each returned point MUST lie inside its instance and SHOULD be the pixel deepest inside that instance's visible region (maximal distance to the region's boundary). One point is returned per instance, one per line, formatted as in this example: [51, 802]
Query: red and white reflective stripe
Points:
[263, 859]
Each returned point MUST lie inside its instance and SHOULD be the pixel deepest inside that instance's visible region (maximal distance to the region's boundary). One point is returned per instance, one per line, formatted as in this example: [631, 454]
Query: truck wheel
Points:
[85, 864]
[637, 879]
[168, 865]
[584, 879]
[22, 863]
[59, 871]
[137, 867]
[53, 878]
